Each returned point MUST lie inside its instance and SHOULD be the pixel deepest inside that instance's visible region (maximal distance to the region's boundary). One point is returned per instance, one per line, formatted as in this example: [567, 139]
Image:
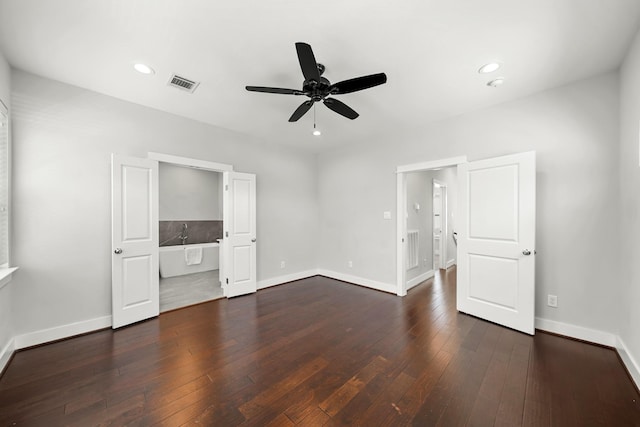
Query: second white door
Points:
[240, 234]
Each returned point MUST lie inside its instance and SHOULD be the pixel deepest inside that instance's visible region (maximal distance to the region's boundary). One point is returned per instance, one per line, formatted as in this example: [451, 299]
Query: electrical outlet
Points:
[552, 300]
[282, 264]
[350, 264]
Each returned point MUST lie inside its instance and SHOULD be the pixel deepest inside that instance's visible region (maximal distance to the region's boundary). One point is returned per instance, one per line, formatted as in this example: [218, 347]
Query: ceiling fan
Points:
[318, 88]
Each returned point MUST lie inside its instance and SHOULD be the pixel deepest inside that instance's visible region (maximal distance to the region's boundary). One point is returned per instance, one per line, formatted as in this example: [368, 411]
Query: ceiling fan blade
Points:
[308, 62]
[274, 90]
[340, 108]
[300, 111]
[359, 83]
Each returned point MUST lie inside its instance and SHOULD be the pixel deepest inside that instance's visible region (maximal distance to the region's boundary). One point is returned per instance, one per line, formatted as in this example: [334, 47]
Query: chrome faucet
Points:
[183, 234]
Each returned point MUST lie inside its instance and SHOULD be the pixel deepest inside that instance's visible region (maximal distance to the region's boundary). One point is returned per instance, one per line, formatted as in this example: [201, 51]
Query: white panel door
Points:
[134, 236]
[240, 234]
[496, 240]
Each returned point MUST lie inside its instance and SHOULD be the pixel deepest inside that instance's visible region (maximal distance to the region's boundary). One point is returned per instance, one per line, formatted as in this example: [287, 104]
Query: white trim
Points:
[368, 283]
[5, 276]
[6, 353]
[578, 332]
[60, 332]
[421, 278]
[433, 164]
[401, 232]
[628, 360]
[597, 337]
[451, 263]
[187, 161]
[274, 281]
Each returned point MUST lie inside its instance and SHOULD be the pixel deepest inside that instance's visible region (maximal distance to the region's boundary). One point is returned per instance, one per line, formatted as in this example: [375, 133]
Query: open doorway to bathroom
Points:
[190, 229]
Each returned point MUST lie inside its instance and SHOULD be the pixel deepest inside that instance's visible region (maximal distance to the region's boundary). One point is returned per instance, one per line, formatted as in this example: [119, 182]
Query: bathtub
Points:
[172, 262]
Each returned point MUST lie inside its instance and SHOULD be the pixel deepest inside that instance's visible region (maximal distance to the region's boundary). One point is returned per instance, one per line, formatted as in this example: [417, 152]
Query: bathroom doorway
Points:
[190, 230]
[135, 237]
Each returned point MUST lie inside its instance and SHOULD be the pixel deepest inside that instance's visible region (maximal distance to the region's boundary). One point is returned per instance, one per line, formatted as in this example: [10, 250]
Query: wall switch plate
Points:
[386, 215]
[282, 264]
[350, 264]
[552, 300]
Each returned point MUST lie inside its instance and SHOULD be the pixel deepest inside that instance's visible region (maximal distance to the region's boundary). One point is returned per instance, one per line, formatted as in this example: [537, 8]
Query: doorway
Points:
[428, 220]
[495, 245]
[440, 233]
[190, 232]
[135, 234]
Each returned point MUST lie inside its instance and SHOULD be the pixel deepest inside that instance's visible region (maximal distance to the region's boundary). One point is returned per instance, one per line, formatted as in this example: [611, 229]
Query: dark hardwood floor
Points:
[319, 352]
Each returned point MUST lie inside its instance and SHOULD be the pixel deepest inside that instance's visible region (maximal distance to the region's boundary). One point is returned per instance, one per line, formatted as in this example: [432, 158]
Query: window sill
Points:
[5, 275]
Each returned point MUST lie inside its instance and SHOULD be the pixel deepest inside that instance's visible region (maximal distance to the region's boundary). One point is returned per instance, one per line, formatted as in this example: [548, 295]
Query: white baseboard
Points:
[380, 286]
[421, 278]
[451, 263]
[274, 281]
[594, 336]
[60, 332]
[6, 353]
[577, 332]
[629, 362]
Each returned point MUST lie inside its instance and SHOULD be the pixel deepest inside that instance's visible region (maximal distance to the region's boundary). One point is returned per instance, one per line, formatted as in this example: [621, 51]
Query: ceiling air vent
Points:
[182, 83]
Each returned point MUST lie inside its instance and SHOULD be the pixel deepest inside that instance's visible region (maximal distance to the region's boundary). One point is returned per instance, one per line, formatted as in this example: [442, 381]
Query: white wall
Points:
[188, 194]
[63, 138]
[573, 129]
[6, 323]
[629, 212]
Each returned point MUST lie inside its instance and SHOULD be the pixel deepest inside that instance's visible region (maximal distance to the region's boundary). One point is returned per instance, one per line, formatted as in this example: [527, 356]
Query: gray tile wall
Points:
[197, 232]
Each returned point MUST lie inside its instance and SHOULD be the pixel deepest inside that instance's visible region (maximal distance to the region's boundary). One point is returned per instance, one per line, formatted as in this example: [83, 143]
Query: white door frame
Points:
[401, 208]
[443, 222]
[193, 163]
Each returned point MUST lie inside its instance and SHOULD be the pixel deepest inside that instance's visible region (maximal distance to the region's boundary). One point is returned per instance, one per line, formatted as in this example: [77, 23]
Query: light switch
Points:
[386, 215]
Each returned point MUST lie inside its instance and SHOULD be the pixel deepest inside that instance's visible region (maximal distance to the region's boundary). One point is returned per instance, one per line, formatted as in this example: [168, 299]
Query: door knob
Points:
[118, 251]
[526, 252]
[253, 240]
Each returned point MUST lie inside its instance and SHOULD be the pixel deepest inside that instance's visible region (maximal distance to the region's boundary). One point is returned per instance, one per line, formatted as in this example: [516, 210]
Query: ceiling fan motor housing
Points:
[316, 90]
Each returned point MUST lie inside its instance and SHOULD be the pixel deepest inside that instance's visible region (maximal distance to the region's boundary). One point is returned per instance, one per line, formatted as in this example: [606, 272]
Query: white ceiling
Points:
[429, 49]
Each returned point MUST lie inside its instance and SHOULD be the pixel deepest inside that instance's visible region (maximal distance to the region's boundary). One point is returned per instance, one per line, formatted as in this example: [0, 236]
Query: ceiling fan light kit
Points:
[318, 88]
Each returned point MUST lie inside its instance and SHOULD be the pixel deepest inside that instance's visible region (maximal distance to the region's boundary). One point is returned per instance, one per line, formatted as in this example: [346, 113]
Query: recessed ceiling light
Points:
[143, 68]
[489, 68]
[496, 82]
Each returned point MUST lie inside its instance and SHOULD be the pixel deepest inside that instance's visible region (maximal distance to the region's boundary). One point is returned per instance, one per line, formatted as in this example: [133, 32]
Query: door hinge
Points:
[226, 234]
[226, 188]
[227, 280]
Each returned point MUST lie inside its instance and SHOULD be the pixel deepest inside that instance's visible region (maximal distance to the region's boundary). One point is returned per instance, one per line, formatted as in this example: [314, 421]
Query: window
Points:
[4, 186]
